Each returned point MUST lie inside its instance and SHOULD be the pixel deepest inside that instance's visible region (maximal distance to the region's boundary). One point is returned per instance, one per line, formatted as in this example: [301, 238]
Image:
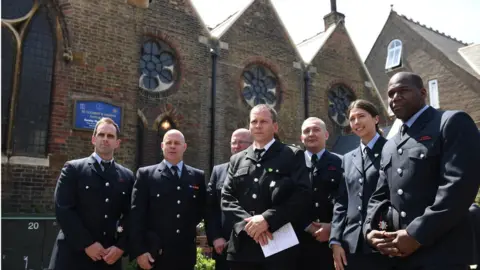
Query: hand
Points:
[382, 242]
[339, 257]
[312, 228]
[95, 251]
[405, 243]
[219, 245]
[256, 225]
[262, 239]
[113, 254]
[145, 260]
[323, 233]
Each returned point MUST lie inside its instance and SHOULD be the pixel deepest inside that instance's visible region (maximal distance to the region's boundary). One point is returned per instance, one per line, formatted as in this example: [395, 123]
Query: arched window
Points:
[394, 56]
[28, 60]
[259, 86]
[339, 98]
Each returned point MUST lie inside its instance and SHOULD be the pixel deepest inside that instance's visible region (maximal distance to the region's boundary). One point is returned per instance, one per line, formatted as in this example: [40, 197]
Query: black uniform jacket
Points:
[164, 215]
[91, 205]
[276, 186]
[430, 175]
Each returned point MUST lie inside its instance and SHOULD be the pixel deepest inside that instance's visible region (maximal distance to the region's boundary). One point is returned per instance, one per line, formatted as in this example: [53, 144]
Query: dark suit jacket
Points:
[216, 219]
[164, 215]
[431, 178]
[91, 206]
[325, 177]
[356, 188]
[276, 186]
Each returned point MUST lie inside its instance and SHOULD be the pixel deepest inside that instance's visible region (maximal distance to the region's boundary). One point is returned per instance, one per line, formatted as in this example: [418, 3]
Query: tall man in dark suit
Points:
[429, 173]
[325, 175]
[267, 187]
[168, 202]
[92, 203]
[218, 233]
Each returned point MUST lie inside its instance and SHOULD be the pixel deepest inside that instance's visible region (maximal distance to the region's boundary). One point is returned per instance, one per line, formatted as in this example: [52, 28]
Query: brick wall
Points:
[458, 90]
[257, 37]
[338, 63]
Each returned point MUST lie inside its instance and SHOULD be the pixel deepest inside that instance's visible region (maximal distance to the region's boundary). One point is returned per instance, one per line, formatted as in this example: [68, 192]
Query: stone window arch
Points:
[394, 54]
[28, 57]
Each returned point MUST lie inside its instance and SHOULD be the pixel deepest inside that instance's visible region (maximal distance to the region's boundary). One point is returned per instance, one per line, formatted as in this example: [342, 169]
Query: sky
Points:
[364, 19]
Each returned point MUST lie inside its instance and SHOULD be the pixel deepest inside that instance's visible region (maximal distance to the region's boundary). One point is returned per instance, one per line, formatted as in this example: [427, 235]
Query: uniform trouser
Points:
[314, 254]
[221, 260]
[437, 267]
[285, 260]
[370, 261]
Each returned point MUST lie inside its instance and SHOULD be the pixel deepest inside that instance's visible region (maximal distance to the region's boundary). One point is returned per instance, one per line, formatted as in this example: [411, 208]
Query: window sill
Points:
[30, 161]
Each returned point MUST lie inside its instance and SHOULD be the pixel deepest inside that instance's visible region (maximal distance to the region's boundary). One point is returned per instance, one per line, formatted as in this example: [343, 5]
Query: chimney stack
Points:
[334, 16]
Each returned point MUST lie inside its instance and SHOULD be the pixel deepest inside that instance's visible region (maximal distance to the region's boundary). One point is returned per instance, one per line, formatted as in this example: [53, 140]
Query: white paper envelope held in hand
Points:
[283, 238]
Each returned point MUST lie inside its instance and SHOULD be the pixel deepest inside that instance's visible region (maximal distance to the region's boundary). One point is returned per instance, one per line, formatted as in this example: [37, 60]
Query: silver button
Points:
[158, 195]
[106, 216]
[107, 184]
[359, 207]
[178, 215]
[399, 171]
[178, 231]
[400, 151]
[87, 187]
[316, 204]
[400, 192]
[360, 223]
[123, 193]
[178, 202]
[254, 196]
[258, 165]
[315, 189]
[104, 233]
[403, 214]
[360, 180]
[194, 196]
[360, 194]
[422, 155]
[178, 188]
[255, 180]
[333, 180]
[106, 200]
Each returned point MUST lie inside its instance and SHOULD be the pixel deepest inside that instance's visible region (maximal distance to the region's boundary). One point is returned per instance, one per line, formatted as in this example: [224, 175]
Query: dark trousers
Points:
[437, 267]
[370, 261]
[221, 261]
[271, 265]
[313, 254]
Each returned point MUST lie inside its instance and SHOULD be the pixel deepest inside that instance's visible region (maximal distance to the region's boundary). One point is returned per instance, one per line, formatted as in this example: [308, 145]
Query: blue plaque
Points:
[88, 112]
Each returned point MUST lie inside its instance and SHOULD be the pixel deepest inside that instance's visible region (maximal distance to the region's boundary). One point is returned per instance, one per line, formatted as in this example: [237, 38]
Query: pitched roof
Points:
[471, 54]
[309, 47]
[446, 44]
[221, 28]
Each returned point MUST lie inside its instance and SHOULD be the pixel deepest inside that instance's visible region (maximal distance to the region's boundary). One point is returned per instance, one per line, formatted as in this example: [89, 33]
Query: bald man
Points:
[218, 232]
[168, 201]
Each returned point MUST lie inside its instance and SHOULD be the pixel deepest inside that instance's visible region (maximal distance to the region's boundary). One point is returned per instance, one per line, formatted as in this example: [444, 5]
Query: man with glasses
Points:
[218, 232]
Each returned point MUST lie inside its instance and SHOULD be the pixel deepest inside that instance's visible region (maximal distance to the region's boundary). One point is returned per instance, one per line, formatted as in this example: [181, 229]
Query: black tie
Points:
[106, 165]
[403, 130]
[258, 153]
[314, 160]
[175, 171]
[366, 150]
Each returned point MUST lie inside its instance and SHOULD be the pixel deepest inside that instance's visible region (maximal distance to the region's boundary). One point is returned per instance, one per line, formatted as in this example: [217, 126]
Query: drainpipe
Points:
[306, 79]
[212, 109]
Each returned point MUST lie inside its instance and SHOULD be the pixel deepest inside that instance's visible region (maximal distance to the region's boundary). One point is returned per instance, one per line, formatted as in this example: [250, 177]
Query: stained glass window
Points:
[259, 86]
[157, 67]
[339, 98]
